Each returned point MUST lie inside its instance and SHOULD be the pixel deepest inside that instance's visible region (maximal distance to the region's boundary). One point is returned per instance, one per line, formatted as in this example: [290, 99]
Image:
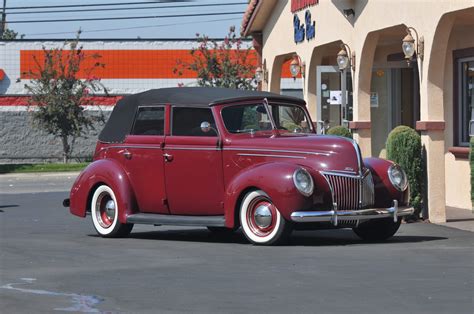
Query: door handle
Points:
[168, 157]
[127, 154]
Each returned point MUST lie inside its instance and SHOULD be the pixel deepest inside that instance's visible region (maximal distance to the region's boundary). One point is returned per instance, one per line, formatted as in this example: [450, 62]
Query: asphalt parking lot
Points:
[51, 261]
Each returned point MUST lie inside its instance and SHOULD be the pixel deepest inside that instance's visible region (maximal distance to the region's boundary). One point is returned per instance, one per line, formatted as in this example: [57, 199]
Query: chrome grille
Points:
[351, 192]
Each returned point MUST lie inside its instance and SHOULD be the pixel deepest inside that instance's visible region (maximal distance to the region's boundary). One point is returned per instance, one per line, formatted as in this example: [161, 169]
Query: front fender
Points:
[275, 179]
[385, 192]
[108, 172]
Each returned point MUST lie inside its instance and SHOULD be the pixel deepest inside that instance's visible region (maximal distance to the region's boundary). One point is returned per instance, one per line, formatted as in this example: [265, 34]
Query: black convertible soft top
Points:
[121, 119]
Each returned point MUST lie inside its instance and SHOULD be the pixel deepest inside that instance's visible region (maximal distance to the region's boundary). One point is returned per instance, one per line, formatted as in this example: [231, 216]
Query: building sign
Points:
[298, 5]
[301, 31]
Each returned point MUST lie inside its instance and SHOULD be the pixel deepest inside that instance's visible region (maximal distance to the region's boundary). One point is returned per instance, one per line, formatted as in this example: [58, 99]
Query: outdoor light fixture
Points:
[343, 59]
[409, 45]
[261, 74]
[297, 66]
[348, 12]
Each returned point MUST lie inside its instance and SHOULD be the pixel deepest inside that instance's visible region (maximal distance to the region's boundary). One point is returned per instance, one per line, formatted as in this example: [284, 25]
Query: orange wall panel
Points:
[127, 64]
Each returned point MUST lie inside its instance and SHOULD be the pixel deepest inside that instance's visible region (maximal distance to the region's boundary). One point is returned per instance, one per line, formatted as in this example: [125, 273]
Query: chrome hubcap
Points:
[110, 209]
[105, 210]
[263, 216]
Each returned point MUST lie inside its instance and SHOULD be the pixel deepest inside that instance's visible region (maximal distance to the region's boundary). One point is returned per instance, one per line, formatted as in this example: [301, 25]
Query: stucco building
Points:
[379, 89]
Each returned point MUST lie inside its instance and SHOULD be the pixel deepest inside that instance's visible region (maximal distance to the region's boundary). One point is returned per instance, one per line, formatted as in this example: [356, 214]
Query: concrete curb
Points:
[40, 174]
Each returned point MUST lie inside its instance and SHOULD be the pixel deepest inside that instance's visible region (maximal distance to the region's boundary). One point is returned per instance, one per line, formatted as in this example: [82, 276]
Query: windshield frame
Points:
[268, 104]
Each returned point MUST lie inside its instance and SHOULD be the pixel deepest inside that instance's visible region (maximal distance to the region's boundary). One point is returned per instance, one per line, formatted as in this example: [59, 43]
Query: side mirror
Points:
[206, 126]
[471, 128]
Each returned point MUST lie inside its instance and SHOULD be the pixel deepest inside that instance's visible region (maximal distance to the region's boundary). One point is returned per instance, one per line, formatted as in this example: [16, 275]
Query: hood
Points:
[319, 152]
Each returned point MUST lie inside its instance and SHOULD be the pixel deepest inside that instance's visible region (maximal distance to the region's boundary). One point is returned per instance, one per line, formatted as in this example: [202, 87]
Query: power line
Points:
[133, 27]
[138, 8]
[93, 5]
[122, 18]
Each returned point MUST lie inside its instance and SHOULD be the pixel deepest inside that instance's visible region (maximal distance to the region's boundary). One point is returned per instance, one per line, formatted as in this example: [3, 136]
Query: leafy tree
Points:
[10, 34]
[221, 64]
[59, 96]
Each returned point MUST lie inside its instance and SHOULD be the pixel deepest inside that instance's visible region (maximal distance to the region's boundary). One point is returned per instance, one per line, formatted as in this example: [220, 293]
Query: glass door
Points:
[334, 97]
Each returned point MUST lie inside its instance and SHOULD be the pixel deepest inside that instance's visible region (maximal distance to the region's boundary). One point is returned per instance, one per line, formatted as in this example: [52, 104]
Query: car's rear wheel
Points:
[261, 221]
[377, 229]
[104, 212]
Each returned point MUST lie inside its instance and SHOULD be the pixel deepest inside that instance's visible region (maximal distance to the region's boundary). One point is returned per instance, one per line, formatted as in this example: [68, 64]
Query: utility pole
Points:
[4, 18]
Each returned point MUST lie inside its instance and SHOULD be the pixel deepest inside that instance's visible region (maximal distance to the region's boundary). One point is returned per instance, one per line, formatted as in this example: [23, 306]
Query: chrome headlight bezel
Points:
[303, 173]
[401, 184]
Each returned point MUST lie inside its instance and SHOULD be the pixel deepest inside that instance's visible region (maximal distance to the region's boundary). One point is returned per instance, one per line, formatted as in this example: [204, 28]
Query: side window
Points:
[187, 121]
[149, 121]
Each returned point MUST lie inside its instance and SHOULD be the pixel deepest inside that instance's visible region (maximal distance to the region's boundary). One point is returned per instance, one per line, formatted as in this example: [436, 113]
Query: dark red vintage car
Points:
[225, 159]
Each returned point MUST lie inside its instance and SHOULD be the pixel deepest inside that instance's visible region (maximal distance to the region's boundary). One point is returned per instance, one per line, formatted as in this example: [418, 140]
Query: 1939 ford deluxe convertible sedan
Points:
[225, 159]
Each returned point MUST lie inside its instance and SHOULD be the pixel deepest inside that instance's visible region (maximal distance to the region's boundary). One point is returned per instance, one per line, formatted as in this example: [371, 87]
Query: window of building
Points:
[465, 100]
[149, 121]
[187, 121]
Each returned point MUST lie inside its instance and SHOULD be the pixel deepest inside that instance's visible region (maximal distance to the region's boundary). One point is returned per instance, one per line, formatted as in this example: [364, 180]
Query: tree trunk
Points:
[66, 148]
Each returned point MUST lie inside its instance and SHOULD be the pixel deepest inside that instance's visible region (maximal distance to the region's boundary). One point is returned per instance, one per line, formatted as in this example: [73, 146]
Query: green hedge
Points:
[404, 147]
[471, 159]
[339, 130]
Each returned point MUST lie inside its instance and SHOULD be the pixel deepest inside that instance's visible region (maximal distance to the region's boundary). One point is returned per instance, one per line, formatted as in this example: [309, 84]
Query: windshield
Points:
[254, 117]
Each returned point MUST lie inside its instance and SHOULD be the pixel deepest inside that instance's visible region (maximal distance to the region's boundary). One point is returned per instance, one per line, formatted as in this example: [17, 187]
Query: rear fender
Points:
[108, 172]
[275, 179]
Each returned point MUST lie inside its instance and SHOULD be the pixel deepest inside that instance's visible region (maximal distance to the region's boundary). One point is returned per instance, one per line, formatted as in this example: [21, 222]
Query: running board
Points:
[157, 219]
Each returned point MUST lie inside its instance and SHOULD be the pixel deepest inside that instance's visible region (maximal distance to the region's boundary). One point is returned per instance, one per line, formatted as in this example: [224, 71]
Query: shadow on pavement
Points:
[8, 206]
[297, 238]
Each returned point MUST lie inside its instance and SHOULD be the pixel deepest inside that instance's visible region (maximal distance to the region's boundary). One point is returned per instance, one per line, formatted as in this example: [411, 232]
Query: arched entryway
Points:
[328, 104]
[388, 86]
[447, 108]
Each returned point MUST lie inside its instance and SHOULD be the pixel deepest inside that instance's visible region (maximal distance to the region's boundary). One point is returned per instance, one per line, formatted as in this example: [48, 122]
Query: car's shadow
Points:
[7, 206]
[297, 238]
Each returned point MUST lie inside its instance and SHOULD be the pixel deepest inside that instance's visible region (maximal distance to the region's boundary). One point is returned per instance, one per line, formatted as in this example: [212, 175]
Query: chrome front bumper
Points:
[334, 216]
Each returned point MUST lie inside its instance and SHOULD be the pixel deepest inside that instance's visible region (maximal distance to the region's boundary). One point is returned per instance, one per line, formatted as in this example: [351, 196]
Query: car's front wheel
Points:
[377, 229]
[261, 221]
[104, 212]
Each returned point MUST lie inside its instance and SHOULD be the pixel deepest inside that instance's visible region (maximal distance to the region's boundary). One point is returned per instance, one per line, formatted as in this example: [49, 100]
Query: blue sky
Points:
[183, 27]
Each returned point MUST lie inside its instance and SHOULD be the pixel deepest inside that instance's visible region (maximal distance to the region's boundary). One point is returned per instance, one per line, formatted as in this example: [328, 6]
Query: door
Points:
[394, 101]
[142, 156]
[193, 164]
[334, 97]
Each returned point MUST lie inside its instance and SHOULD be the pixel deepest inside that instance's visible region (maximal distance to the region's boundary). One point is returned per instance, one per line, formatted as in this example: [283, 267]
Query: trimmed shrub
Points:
[404, 147]
[471, 159]
[339, 130]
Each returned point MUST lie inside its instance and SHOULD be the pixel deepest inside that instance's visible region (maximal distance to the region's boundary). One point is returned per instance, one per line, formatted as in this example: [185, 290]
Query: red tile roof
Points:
[249, 12]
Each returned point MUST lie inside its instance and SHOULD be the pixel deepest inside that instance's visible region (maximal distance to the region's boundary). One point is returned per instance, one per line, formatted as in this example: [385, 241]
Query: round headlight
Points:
[397, 177]
[303, 181]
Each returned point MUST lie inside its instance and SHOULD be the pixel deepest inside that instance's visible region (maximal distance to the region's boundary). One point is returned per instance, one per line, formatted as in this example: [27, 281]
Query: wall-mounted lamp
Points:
[348, 12]
[409, 45]
[343, 60]
[297, 66]
[261, 74]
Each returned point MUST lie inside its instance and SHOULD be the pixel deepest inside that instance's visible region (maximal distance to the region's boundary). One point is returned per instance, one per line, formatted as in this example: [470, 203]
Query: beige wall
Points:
[458, 185]
[376, 31]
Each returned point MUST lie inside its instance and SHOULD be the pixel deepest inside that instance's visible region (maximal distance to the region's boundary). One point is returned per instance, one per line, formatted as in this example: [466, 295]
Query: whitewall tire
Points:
[261, 221]
[105, 212]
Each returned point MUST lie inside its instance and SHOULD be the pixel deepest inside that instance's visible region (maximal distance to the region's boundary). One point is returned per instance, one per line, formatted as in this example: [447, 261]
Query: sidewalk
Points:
[459, 218]
[40, 174]
[38, 182]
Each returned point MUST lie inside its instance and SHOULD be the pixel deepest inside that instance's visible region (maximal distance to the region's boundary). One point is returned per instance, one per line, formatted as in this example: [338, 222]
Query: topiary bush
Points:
[339, 130]
[404, 147]
[471, 160]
